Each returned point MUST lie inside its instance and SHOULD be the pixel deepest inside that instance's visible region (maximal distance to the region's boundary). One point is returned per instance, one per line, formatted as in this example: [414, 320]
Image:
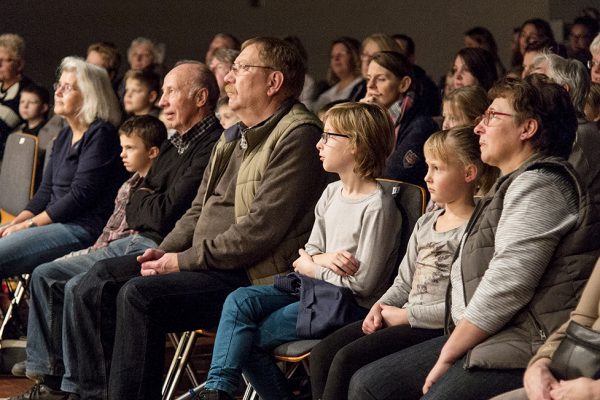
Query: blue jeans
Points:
[51, 303]
[24, 250]
[402, 375]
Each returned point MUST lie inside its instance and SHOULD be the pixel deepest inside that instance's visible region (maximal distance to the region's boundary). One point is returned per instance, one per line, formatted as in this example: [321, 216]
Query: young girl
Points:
[353, 244]
[463, 106]
[412, 310]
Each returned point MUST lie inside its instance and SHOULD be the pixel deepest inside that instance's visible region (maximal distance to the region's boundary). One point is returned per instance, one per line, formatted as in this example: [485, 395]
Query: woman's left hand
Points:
[14, 228]
[576, 389]
[438, 370]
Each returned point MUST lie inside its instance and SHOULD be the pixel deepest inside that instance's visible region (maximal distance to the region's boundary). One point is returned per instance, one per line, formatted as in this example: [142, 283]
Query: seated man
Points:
[151, 211]
[253, 210]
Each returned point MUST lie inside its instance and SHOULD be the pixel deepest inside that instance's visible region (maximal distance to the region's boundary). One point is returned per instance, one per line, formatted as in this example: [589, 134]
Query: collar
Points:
[401, 107]
[181, 141]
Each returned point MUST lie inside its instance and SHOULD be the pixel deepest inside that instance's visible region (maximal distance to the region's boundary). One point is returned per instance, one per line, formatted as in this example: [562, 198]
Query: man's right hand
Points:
[150, 255]
[342, 262]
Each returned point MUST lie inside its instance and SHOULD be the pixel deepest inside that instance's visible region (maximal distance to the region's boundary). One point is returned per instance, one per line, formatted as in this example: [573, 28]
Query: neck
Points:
[345, 81]
[516, 161]
[144, 171]
[145, 111]
[32, 123]
[197, 118]
[78, 127]
[9, 82]
[461, 208]
[355, 186]
[259, 113]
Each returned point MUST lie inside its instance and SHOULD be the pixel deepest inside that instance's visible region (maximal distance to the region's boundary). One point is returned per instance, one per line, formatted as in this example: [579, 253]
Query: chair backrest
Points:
[17, 177]
[48, 153]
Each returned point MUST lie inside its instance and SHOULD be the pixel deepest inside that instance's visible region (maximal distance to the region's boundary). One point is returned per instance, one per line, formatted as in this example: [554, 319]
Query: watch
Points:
[31, 223]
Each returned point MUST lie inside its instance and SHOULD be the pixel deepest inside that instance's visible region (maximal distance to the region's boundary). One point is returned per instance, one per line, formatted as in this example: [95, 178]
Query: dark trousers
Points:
[123, 319]
[337, 357]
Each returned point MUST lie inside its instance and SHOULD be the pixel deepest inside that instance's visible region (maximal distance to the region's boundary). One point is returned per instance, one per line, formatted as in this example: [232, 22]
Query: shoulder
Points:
[539, 186]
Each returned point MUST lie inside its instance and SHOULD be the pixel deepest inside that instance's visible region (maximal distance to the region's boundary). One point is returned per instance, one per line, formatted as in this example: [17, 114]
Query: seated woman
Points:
[474, 67]
[389, 84]
[522, 262]
[79, 185]
[540, 383]
[353, 244]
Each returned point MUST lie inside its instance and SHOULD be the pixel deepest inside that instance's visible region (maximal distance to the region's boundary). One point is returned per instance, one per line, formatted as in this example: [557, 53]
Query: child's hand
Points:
[342, 262]
[394, 315]
[304, 264]
[373, 321]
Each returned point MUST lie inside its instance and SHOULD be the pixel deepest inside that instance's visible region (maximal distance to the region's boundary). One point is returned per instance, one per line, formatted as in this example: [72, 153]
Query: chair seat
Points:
[295, 351]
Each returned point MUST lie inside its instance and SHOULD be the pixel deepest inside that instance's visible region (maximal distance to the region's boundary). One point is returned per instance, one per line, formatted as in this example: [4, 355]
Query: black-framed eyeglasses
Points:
[325, 136]
[238, 68]
[489, 115]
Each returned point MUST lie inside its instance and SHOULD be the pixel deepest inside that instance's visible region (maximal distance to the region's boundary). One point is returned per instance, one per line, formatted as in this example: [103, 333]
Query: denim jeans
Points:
[402, 375]
[24, 250]
[122, 318]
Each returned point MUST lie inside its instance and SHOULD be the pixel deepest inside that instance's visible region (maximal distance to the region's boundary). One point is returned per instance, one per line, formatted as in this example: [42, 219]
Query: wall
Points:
[59, 28]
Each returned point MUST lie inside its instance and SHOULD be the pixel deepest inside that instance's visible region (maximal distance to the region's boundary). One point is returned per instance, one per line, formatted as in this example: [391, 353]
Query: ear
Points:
[405, 84]
[153, 152]
[597, 118]
[45, 108]
[153, 96]
[275, 82]
[528, 129]
[470, 173]
[201, 97]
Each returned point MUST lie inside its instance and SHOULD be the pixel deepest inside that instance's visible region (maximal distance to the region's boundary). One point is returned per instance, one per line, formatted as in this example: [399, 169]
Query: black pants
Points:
[337, 357]
[124, 318]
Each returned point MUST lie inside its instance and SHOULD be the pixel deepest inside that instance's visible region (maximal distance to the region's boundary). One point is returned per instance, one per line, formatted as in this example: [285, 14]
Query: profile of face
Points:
[340, 61]
[335, 151]
[141, 56]
[528, 65]
[446, 182]
[218, 42]
[98, 59]
[528, 34]
[462, 75]
[579, 38]
[31, 106]
[9, 66]
[180, 106]
[134, 154]
[368, 51]
[453, 116]
[138, 99]
[68, 99]
[595, 70]
[470, 42]
[227, 117]
[383, 87]
[219, 69]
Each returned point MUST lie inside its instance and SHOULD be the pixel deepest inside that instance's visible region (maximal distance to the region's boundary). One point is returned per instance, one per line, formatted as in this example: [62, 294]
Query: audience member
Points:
[220, 65]
[521, 265]
[144, 54]
[81, 180]
[227, 238]
[105, 55]
[389, 84]
[33, 108]
[343, 73]
[221, 41]
[474, 66]
[483, 38]
[12, 81]
[582, 32]
[592, 105]
[226, 116]
[531, 62]
[531, 31]
[309, 90]
[463, 106]
[594, 63]
[141, 92]
[412, 309]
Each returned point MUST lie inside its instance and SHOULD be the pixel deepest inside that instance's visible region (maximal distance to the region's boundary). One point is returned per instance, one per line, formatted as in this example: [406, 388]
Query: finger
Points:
[350, 257]
[336, 270]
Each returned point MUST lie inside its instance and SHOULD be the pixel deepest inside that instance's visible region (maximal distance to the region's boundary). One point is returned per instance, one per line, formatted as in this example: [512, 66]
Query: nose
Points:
[319, 144]
[122, 155]
[371, 83]
[162, 103]
[479, 128]
[229, 77]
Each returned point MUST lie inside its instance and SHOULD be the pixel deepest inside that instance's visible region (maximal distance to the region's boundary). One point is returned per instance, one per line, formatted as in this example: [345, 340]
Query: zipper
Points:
[537, 325]
[243, 141]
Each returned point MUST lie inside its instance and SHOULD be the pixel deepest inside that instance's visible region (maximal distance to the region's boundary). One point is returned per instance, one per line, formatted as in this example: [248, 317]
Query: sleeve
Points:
[539, 208]
[95, 167]
[317, 239]
[381, 226]
[281, 200]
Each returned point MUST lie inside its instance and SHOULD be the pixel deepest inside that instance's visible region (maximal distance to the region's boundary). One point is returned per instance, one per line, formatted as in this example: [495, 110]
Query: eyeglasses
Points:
[325, 136]
[65, 87]
[6, 60]
[239, 69]
[489, 115]
[592, 63]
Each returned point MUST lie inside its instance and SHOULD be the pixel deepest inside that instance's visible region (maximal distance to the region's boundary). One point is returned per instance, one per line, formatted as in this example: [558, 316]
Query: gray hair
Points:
[99, 99]
[227, 56]
[158, 49]
[572, 74]
[595, 45]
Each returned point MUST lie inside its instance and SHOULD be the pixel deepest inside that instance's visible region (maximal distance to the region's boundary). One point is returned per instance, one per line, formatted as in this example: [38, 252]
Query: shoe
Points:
[206, 394]
[18, 369]
[42, 392]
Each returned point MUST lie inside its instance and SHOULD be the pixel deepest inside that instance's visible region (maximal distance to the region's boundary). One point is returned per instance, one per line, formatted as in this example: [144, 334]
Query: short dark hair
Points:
[409, 43]
[110, 53]
[549, 104]
[482, 65]
[591, 24]
[40, 91]
[148, 128]
[146, 77]
[484, 38]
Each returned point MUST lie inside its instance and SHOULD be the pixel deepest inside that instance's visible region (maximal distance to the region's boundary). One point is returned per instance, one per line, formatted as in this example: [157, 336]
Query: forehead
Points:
[133, 82]
[141, 48]
[459, 61]
[375, 68]
[29, 96]
[68, 77]
[132, 139]
[176, 77]
[371, 47]
[501, 104]
[339, 48]
[529, 29]
[97, 59]
[579, 29]
[250, 53]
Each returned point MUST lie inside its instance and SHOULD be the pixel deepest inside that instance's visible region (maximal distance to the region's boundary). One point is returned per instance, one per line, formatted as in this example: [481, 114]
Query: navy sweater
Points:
[81, 180]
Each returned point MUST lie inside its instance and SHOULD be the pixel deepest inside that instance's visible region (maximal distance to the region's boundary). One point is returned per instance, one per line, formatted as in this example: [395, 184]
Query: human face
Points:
[180, 111]
[248, 90]
[68, 100]
[218, 42]
[452, 117]
[529, 34]
[340, 61]
[134, 154]
[141, 56]
[470, 42]
[227, 117]
[446, 181]
[368, 50]
[595, 71]
[500, 140]
[96, 58]
[337, 155]
[461, 75]
[31, 107]
[579, 38]
[9, 67]
[219, 69]
[138, 98]
[383, 87]
[528, 67]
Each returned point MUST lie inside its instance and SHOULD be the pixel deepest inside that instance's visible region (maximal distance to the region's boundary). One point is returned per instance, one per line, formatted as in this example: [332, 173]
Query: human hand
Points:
[150, 255]
[368, 99]
[438, 370]
[394, 315]
[304, 264]
[164, 265]
[342, 262]
[538, 380]
[373, 321]
[576, 389]
[10, 229]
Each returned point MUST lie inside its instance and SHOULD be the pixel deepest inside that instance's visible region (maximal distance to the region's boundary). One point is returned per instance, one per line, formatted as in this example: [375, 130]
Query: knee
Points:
[236, 299]
[358, 388]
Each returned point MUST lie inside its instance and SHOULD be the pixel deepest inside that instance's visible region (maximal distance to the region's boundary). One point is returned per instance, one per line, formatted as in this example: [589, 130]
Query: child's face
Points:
[134, 154]
[227, 117]
[452, 117]
[31, 107]
[337, 155]
[138, 98]
[446, 182]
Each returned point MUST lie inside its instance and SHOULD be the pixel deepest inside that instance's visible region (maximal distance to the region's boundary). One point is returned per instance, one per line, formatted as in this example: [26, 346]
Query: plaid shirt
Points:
[116, 227]
[183, 141]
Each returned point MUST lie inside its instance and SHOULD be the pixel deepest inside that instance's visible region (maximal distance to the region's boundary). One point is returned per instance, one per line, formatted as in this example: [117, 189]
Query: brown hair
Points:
[109, 53]
[471, 101]
[148, 128]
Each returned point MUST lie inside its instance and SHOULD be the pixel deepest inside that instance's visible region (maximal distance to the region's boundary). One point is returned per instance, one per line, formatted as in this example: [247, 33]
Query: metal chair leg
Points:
[183, 363]
[18, 296]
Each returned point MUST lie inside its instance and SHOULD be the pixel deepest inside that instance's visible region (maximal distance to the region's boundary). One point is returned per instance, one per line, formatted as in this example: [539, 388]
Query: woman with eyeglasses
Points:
[343, 73]
[527, 252]
[389, 84]
[76, 195]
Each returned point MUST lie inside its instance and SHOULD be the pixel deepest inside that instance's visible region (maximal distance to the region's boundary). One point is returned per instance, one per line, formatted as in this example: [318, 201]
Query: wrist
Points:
[30, 223]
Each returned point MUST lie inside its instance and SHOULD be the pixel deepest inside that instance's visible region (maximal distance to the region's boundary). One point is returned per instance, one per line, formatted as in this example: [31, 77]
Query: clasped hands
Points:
[157, 262]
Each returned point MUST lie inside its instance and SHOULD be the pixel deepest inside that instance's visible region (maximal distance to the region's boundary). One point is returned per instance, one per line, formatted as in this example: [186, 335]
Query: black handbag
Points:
[578, 355]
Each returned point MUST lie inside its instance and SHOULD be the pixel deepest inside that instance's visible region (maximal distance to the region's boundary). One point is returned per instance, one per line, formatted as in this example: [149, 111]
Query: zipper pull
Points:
[543, 335]
[243, 141]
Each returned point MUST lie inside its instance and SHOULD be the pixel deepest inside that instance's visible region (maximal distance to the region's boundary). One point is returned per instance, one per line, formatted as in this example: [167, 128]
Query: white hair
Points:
[158, 49]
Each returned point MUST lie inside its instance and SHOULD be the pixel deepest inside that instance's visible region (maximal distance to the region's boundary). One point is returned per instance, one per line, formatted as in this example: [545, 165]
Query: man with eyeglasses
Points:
[252, 212]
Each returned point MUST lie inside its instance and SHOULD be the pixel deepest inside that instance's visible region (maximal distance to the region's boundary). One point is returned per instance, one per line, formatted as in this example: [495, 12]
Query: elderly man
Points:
[141, 220]
[253, 210]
